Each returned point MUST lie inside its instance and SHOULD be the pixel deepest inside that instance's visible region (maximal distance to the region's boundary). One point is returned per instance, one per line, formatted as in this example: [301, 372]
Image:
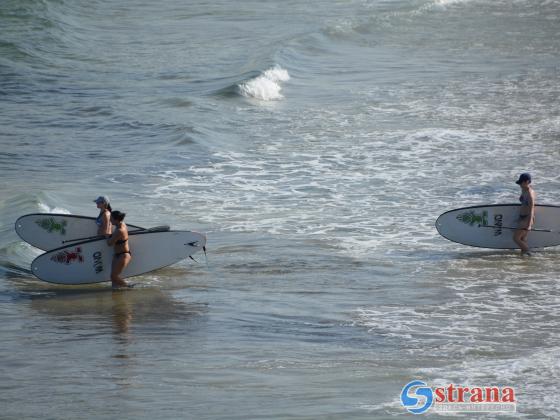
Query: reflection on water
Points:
[122, 313]
[123, 310]
[67, 339]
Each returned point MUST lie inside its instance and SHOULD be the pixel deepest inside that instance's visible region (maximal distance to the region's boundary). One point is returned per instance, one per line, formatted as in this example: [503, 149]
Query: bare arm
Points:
[117, 234]
[106, 224]
[531, 209]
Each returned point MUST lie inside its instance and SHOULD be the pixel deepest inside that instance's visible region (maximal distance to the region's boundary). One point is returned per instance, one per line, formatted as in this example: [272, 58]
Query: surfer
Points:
[122, 256]
[526, 213]
[103, 221]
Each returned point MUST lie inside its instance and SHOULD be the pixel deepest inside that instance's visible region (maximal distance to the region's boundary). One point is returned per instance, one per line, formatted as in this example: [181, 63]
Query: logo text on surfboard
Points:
[98, 262]
[498, 222]
[51, 225]
[471, 218]
[68, 257]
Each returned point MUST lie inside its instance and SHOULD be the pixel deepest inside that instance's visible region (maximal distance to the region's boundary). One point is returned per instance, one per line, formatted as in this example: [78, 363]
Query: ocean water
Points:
[315, 143]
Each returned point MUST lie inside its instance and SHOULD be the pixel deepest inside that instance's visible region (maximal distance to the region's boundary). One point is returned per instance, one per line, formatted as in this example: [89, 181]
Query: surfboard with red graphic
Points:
[90, 261]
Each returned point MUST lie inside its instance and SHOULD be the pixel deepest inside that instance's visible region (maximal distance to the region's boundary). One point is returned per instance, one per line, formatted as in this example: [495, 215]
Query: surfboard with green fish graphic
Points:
[493, 226]
[51, 230]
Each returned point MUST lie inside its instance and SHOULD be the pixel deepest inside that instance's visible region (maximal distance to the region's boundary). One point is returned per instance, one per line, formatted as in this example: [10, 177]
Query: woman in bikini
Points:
[103, 221]
[526, 213]
[122, 256]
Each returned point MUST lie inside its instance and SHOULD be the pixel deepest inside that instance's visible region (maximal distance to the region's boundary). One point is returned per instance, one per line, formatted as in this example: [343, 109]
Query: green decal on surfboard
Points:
[471, 218]
[50, 225]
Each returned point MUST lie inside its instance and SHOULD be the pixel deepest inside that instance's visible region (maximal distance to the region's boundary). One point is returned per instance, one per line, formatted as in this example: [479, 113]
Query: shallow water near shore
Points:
[315, 143]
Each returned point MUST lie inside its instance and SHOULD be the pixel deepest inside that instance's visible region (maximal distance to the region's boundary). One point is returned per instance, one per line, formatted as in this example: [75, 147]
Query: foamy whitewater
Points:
[267, 86]
[315, 143]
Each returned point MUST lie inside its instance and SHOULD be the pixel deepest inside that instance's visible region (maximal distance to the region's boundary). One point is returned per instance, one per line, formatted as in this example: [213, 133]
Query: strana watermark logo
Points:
[417, 397]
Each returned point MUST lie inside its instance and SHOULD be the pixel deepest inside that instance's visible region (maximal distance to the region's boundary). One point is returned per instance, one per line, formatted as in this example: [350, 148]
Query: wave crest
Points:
[266, 86]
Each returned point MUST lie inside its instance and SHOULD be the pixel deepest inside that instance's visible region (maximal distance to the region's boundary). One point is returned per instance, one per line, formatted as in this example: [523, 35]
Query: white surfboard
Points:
[493, 226]
[50, 230]
[90, 261]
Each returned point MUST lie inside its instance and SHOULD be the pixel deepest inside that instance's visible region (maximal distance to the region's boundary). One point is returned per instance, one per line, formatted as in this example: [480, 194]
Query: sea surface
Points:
[315, 143]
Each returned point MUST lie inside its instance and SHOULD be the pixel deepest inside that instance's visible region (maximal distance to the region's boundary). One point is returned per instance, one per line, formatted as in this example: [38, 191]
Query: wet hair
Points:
[118, 215]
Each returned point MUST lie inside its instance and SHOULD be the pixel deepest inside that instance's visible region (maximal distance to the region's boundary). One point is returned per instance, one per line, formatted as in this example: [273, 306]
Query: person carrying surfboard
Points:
[103, 221]
[526, 213]
[122, 255]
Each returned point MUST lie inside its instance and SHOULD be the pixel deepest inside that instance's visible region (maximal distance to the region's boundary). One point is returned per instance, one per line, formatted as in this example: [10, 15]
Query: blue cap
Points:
[102, 199]
[523, 177]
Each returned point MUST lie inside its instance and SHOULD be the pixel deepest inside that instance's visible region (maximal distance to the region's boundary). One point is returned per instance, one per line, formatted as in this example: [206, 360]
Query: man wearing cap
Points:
[103, 221]
[526, 213]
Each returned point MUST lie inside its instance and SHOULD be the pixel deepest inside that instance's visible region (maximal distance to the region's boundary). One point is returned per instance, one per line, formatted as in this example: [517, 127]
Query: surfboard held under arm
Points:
[50, 230]
[90, 261]
[493, 226]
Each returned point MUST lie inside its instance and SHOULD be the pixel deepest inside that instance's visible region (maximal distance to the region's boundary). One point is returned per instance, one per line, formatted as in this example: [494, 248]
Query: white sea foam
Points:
[472, 330]
[266, 86]
[45, 208]
[448, 2]
[323, 189]
[440, 5]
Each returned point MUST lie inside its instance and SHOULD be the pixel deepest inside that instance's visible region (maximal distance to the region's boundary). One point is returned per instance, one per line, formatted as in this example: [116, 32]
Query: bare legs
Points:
[520, 238]
[119, 264]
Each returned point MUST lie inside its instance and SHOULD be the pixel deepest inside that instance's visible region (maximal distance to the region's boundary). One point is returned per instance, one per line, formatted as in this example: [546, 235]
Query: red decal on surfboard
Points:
[67, 257]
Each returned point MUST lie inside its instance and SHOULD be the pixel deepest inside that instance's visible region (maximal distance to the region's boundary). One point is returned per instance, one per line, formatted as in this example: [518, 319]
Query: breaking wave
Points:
[267, 86]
